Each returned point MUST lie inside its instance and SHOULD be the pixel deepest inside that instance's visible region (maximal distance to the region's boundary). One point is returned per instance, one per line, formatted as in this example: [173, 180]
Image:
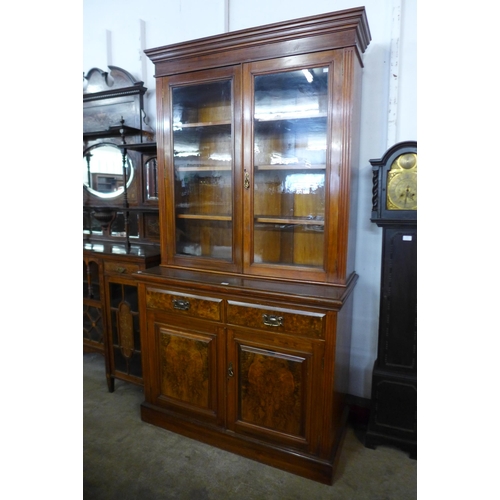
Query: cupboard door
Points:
[201, 160]
[185, 379]
[94, 322]
[289, 191]
[271, 393]
[124, 341]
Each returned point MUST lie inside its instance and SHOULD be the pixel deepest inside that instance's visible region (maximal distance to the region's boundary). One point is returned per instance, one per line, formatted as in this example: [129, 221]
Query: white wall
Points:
[112, 35]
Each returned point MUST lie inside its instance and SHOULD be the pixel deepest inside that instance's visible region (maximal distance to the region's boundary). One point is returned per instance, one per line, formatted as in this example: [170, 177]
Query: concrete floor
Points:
[125, 458]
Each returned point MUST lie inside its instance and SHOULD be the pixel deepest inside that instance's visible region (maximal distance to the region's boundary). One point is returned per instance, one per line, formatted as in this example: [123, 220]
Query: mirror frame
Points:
[130, 177]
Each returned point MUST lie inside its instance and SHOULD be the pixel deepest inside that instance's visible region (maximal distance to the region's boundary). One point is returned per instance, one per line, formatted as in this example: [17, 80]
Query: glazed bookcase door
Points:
[201, 160]
[289, 192]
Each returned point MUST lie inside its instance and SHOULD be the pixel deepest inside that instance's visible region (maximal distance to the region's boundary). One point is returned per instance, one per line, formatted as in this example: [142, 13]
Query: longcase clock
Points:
[393, 415]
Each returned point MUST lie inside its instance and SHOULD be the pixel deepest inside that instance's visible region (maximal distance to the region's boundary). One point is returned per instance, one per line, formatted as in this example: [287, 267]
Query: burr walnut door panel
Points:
[185, 378]
[271, 390]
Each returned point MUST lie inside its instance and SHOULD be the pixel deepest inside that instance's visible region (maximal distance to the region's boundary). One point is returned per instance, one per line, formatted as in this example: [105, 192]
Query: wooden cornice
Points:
[347, 28]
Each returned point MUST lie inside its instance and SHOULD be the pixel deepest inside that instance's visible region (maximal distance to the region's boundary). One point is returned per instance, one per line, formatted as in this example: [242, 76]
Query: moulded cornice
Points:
[347, 28]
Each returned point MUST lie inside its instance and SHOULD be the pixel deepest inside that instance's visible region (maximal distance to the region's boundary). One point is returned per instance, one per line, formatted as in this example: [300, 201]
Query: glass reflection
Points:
[290, 145]
[151, 168]
[203, 163]
[103, 170]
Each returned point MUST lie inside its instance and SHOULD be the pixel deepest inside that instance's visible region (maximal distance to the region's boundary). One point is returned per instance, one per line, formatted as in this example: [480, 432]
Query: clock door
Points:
[398, 306]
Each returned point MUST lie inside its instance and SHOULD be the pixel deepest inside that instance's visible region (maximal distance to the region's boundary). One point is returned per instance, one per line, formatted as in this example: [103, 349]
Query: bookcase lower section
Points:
[259, 368]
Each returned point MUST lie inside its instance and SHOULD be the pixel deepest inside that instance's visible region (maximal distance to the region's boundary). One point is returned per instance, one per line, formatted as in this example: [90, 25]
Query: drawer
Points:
[186, 304]
[120, 268]
[303, 323]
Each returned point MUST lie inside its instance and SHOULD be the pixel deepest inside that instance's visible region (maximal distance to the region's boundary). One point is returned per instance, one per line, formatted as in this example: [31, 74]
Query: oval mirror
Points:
[103, 170]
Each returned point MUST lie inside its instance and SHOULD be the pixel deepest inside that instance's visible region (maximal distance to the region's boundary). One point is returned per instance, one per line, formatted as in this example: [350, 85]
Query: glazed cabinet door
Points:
[94, 321]
[202, 146]
[124, 338]
[292, 131]
[271, 394]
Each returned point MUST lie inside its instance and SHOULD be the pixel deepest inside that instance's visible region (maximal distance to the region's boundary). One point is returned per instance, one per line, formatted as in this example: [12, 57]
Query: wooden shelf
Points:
[290, 220]
[177, 127]
[205, 217]
[205, 168]
[114, 131]
[277, 117]
[293, 166]
[142, 147]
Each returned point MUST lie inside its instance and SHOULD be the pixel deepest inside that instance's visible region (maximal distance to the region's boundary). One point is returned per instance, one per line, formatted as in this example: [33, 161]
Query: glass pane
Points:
[118, 225]
[204, 238]
[126, 343]
[290, 144]
[151, 169]
[203, 164]
[91, 282]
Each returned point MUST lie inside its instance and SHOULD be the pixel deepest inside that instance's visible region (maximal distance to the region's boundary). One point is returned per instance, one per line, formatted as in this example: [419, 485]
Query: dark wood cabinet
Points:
[246, 323]
[393, 416]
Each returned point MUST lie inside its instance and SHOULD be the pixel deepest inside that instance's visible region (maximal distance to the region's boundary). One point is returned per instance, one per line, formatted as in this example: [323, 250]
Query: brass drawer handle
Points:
[121, 269]
[181, 305]
[272, 320]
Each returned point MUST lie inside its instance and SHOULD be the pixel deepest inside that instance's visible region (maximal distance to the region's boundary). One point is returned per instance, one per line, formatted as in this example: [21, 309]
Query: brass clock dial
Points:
[402, 183]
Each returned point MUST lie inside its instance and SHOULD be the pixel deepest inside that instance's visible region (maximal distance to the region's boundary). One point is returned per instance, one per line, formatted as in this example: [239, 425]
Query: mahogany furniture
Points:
[110, 306]
[120, 208]
[117, 143]
[393, 415]
[246, 323]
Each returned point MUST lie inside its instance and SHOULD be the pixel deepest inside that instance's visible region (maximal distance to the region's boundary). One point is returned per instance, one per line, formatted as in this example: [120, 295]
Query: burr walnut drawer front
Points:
[280, 320]
[185, 304]
[120, 268]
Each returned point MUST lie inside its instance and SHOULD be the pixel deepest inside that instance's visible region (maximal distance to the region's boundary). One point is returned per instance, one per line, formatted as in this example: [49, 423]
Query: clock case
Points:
[393, 412]
[381, 215]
